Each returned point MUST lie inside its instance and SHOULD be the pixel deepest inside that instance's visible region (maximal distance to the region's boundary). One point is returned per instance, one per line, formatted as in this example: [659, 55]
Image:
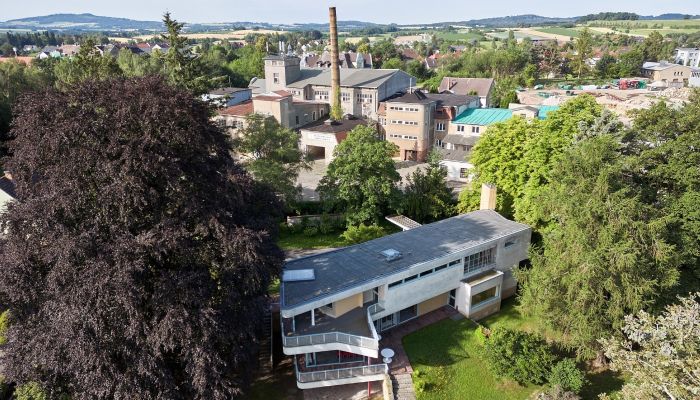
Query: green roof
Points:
[483, 116]
[545, 110]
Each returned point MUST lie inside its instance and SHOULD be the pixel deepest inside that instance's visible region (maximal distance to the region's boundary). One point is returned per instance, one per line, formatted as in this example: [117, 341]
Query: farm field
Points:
[217, 35]
[464, 35]
[571, 32]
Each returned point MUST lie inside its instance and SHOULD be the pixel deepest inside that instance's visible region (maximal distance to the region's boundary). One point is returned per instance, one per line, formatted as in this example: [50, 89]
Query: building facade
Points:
[672, 75]
[688, 56]
[334, 305]
[361, 90]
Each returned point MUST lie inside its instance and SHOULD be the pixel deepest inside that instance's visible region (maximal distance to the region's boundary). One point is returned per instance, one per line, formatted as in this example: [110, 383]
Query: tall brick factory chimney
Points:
[336, 108]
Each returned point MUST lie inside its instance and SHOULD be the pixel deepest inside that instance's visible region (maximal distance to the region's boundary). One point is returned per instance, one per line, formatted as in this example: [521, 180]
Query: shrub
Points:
[566, 375]
[328, 224]
[311, 231]
[522, 356]
[480, 335]
[362, 233]
[557, 393]
[30, 391]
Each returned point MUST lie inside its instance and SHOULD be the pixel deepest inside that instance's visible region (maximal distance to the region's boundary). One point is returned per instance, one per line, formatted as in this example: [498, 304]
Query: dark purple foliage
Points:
[138, 257]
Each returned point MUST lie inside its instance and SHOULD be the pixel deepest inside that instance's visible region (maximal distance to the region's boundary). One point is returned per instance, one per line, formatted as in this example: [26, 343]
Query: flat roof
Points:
[344, 125]
[342, 269]
[483, 116]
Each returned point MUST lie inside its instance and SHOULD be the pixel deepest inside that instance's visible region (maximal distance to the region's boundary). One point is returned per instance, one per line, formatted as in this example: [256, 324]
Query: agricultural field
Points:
[645, 27]
[462, 35]
[570, 32]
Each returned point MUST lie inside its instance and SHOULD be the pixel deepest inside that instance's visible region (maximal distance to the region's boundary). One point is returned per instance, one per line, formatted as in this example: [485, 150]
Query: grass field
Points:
[463, 36]
[571, 32]
[452, 363]
[650, 24]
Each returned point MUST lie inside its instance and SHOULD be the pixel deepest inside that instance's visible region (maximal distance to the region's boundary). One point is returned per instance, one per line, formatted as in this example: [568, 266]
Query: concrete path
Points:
[403, 387]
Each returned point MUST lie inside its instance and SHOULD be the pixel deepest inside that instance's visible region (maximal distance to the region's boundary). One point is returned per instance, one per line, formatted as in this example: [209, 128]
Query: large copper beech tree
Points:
[136, 261]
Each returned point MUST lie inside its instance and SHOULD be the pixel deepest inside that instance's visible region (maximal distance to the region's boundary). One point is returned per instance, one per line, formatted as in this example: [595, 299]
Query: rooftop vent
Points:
[391, 254]
[298, 275]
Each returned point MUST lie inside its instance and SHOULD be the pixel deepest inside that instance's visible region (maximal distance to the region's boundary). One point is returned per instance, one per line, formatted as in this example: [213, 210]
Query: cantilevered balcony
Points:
[353, 332]
[337, 374]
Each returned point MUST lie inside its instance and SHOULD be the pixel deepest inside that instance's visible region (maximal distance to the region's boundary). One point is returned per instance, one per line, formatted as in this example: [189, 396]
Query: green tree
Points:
[497, 158]
[602, 258]
[653, 47]
[87, 64]
[522, 356]
[274, 155]
[426, 197]
[362, 177]
[631, 63]
[607, 67]
[567, 376]
[180, 66]
[660, 354]
[393, 63]
[30, 391]
[247, 65]
[419, 70]
[584, 49]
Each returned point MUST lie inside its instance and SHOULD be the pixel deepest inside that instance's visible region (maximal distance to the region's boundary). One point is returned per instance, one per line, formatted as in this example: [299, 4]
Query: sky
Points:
[299, 11]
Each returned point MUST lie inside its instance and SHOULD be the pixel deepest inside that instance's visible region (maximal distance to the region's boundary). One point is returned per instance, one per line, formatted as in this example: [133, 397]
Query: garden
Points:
[451, 360]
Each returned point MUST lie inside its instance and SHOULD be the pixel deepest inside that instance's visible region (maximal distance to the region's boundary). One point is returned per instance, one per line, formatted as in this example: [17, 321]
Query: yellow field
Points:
[232, 35]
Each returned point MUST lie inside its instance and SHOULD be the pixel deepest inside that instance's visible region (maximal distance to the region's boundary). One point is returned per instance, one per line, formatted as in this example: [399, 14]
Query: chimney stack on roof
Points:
[488, 196]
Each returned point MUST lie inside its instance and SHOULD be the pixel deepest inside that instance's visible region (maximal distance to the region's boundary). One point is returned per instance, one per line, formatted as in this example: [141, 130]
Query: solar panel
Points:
[296, 275]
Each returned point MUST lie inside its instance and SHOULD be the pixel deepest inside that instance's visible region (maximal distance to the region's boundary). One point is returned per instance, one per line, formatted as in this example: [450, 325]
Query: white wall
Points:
[453, 168]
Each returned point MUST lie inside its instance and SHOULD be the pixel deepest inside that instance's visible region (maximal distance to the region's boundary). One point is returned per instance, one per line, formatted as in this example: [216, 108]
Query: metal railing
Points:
[343, 373]
[336, 337]
[331, 337]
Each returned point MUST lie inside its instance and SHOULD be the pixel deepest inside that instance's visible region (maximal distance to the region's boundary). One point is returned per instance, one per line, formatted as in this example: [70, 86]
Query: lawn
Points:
[451, 361]
[296, 241]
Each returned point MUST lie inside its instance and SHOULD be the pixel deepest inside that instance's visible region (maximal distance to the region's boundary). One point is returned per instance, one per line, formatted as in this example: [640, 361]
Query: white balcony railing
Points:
[343, 373]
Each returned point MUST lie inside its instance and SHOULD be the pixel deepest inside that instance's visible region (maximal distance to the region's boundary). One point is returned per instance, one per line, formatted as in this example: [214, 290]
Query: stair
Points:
[265, 353]
[403, 386]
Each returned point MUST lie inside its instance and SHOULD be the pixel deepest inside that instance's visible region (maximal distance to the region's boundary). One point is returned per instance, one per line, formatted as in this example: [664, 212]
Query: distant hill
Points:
[80, 22]
[90, 22]
[670, 16]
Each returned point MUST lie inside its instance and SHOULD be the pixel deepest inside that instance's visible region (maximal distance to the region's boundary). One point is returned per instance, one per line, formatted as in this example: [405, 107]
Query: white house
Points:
[688, 56]
[334, 305]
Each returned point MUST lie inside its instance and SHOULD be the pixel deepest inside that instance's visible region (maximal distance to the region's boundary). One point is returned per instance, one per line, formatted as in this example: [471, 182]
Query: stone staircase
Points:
[265, 353]
[403, 386]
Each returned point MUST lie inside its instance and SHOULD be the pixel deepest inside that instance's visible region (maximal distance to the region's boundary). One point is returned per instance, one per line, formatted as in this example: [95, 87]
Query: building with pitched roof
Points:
[361, 90]
[334, 305]
[482, 87]
[670, 75]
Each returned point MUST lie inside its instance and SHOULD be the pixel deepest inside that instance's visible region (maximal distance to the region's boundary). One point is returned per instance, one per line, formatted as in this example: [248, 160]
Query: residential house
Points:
[670, 75]
[69, 50]
[228, 96]
[432, 62]
[318, 140]
[233, 118]
[107, 50]
[482, 87]
[347, 59]
[688, 56]
[416, 121]
[7, 191]
[408, 54]
[361, 90]
[471, 124]
[29, 48]
[694, 80]
[455, 162]
[334, 305]
[49, 51]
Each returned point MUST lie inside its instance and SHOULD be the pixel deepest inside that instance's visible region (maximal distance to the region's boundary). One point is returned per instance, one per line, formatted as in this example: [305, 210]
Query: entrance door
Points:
[452, 300]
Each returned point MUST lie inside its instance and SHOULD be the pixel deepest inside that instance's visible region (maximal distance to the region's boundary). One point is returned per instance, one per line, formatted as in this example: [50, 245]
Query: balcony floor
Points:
[353, 322]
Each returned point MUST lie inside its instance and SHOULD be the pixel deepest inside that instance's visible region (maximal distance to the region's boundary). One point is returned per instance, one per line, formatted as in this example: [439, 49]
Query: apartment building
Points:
[417, 121]
[465, 130]
[361, 90]
[688, 56]
[334, 305]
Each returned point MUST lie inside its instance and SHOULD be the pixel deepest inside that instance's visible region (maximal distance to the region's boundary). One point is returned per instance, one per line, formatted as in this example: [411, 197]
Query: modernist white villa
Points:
[335, 304]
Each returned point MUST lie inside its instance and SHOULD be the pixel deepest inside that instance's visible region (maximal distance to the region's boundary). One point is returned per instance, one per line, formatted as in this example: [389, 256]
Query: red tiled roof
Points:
[242, 109]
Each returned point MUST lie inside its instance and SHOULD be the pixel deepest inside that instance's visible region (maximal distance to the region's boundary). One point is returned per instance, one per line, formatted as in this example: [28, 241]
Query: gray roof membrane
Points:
[352, 266]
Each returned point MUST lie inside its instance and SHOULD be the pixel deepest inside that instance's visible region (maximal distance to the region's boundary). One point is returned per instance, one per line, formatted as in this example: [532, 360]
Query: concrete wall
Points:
[319, 139]
[453, 169]
[433, 304]
[452, 129]
[341, 307]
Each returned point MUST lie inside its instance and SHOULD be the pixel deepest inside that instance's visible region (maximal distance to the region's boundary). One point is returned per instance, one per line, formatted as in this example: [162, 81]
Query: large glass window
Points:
[331, 357]
[484, 296]
[479, 260]
[408, 313]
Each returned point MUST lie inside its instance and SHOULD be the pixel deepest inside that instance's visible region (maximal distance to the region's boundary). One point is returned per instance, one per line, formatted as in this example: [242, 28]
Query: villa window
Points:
[276, 77]
[464, 173]
[486, 295]
[475, 129]
[479, 260]
[440, 127]
[460, 128]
